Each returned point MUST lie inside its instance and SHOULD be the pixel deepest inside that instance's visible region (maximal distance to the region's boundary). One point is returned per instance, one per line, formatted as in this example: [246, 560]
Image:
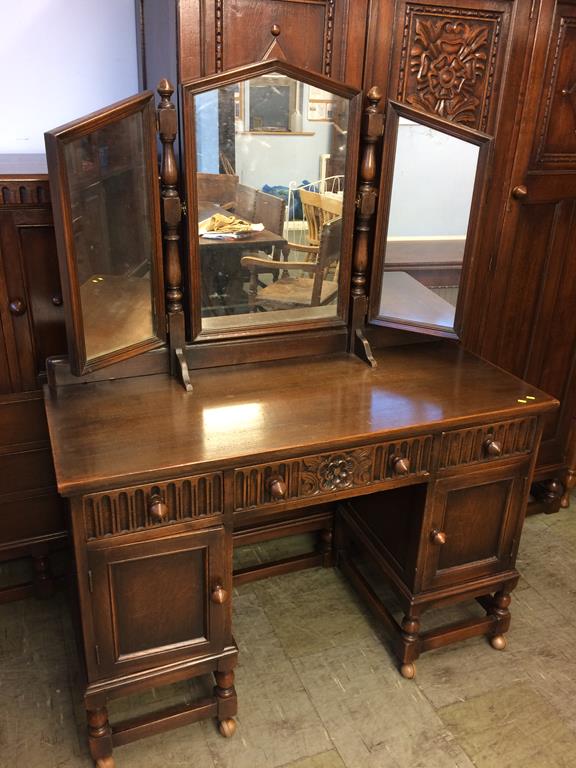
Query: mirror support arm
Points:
[372, 130]
[172, 216]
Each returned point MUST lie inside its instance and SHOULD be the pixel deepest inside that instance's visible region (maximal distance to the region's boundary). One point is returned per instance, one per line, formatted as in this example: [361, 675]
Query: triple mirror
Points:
[432, 184]
[107, 224]
[272, 150]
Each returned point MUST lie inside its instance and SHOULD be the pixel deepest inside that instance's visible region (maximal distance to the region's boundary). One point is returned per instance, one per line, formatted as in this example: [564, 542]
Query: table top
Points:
[145, 429]
[262, 239]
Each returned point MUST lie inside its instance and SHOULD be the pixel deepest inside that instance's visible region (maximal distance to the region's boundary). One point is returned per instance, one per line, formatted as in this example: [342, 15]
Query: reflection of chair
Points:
[318, 210]
[217, 188]
[313, 290]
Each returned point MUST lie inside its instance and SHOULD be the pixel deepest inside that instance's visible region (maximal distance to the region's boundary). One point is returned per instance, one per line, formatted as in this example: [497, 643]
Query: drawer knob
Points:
[17, 306]
[57, 300]
[400, 465]
[157, 508]
[492, 447]
[277, 487]
[520, 192]
[438, 537]
[219, 595]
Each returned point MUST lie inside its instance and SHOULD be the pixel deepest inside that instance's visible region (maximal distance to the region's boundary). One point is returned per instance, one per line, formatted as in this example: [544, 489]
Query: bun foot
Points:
[408, 671]
[498, 642]
[105, 762]
[227, 727]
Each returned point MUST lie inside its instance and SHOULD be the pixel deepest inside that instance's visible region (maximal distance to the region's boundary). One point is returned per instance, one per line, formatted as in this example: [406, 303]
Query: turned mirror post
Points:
[372, 129]
[172, 216]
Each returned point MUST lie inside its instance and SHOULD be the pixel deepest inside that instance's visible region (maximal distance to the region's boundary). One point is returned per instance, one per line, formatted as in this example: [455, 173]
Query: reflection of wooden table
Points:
[116, 313]
[222, 276]
[404, 298]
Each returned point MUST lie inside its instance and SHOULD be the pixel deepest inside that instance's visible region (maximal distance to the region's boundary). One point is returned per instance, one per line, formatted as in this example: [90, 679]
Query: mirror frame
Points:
[56, 140]
[485, 143]
[190, 89]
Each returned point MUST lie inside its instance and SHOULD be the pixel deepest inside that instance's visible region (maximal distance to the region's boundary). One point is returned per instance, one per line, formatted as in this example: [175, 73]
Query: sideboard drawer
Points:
[327, 474]
[487, 443]
[132, 509]
[25, 471]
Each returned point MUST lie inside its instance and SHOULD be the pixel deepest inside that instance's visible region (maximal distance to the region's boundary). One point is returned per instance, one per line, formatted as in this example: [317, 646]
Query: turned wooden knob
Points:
[219, 595]
[520, 192]
[157, 508]
[275, 30]
[492, 447]
[400, 465]
[17, 306]
[57, 300]
[277, 487]
[438, 537]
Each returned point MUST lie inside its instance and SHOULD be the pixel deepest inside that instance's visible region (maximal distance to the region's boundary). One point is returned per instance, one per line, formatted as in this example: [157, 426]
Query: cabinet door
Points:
[33, 319]
[478, 516]
[156, 602]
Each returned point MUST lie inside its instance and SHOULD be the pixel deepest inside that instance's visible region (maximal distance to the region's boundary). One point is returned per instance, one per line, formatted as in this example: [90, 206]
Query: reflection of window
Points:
[274, 104]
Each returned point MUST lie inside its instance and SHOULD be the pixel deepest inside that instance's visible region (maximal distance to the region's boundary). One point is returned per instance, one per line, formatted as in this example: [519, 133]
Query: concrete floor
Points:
[318, 688]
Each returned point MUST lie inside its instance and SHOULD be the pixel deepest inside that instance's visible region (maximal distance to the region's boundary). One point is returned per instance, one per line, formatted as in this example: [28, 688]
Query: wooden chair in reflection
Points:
[219, 188]
[319, 209]
[291, 289]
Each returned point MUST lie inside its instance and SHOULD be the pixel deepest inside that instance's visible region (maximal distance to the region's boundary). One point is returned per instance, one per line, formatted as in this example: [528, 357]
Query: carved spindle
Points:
[171, 206]
[172, 216]
[367, 192]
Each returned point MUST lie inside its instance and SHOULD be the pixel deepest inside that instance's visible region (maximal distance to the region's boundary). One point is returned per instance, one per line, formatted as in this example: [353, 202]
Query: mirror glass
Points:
[270, 161]
[111, 212]
[432, 186]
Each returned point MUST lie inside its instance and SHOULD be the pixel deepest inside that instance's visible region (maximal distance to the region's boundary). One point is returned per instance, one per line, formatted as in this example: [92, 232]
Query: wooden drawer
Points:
[26, 471]
[29, 520]
[23, 421]
[326, 474]
[487, 443]
[132, 509]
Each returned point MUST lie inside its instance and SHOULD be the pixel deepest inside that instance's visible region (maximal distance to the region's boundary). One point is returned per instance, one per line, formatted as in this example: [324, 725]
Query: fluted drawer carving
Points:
[328, 473]
[131, 509]
[464, 446]
[24, 192]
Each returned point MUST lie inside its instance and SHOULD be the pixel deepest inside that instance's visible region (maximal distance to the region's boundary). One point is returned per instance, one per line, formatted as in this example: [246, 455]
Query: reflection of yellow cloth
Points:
[221, 223]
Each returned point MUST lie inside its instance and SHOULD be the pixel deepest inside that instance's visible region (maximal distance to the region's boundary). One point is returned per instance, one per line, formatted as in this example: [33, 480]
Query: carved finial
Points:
[165, 89]
[374, 95]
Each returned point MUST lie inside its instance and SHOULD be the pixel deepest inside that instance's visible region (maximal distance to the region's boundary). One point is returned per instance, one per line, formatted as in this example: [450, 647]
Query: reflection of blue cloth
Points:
[280, 191]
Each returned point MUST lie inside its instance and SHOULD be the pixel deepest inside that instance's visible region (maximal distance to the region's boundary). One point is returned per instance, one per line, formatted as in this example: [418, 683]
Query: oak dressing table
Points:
[413, 459]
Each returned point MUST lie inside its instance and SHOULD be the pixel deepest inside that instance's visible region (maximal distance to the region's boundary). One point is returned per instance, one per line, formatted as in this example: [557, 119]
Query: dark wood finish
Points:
[190, 39]
[247, 458]
[64, 179]
[529, 334]
[32, 520]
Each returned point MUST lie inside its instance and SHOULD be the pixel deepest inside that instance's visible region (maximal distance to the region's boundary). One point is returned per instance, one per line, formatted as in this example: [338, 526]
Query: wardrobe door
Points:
[533, 333]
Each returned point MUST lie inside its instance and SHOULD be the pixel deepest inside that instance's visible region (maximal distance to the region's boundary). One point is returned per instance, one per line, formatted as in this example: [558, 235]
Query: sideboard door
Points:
[473, 525]
[157, 601]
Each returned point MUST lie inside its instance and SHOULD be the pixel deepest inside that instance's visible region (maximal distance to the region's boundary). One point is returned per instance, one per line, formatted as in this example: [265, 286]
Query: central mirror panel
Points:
[270, 227]
[433, 181]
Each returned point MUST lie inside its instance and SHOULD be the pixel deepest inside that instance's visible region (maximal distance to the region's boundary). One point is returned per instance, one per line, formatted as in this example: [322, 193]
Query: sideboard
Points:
[421, 465]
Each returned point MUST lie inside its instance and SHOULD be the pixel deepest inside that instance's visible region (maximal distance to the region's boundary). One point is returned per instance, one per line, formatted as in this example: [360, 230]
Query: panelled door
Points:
[534, 334]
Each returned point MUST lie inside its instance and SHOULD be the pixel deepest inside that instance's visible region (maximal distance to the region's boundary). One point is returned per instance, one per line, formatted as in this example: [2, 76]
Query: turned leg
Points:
[43, 583]
[326, 540]
[100, 737]
[569, 485]
[226, 696]
[500, 604]
[410, 629]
